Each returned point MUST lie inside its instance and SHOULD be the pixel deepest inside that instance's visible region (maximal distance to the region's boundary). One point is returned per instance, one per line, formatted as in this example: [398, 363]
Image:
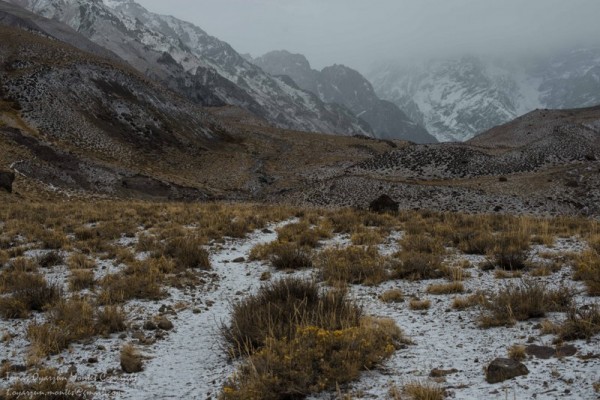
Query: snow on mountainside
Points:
[342, 85]
[197, 65]
[455, 99]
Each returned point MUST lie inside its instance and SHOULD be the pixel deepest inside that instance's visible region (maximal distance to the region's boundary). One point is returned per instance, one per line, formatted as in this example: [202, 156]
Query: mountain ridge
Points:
[195, 64]
[457, 98]
[343, 85]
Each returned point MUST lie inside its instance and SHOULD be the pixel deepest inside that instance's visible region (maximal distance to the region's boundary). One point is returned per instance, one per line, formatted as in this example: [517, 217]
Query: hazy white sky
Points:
[357, 33]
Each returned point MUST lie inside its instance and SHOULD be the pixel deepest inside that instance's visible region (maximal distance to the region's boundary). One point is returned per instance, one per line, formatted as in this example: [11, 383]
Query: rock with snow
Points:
[502, 369]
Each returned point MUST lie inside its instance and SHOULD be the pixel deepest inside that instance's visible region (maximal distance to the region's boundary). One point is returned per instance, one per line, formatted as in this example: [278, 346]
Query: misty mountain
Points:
[459, 97]
[342, 85]
[195, 64]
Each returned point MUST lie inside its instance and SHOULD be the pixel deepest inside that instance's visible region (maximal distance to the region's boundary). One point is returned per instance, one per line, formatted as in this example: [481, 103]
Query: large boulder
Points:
[6, 180]
[502, 369]
[384, 203]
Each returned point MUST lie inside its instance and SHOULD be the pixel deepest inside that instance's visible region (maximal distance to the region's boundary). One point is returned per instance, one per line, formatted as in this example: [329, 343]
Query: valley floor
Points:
[451, 344]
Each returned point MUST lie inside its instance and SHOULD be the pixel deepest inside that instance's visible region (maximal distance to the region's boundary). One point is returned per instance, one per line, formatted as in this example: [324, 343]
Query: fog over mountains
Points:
[457, 98]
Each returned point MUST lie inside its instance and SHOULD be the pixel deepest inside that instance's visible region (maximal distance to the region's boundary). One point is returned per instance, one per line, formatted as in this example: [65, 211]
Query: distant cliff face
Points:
[342, 85]
[195, 64]
[457, 98]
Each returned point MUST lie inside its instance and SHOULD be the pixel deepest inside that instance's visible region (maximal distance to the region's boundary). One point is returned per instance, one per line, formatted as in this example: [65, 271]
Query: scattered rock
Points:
[546, 352]
[566, 350]
[6, 180]
[131, 360]
[164, 323]
[384, 203]
[265, 276]
[502, 369]
[438, 373]
[543, 352]
[150, 325]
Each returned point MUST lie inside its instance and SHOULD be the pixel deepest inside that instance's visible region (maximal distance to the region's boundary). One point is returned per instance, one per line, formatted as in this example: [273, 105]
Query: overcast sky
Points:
[358, 33]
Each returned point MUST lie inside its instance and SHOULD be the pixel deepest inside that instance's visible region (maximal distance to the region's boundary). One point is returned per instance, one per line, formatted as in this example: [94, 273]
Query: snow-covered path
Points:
[191, 363]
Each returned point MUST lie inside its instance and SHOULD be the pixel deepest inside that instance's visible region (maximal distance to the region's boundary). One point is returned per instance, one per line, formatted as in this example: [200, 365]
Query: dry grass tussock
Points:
[423, 391]
[581, 323]
[353, 264]
[519, 302]
[25, 292]
[73, 320]
[587, 269]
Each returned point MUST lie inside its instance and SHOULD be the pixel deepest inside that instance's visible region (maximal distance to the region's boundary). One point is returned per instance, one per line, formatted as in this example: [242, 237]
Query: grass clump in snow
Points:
[587, 269]
[581, 323]
[423, 391]
[353, 264]
[415, 266]
[25, 292]
[529, 299]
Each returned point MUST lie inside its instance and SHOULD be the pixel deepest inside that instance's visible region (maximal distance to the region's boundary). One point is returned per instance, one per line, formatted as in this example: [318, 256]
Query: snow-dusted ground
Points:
[190, 362]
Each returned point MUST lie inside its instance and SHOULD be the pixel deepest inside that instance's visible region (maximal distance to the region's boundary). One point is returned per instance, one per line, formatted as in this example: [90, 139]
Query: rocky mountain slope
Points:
[195, 64]
[342, 85]
[455, 99]
[84, 122]
[77, 124]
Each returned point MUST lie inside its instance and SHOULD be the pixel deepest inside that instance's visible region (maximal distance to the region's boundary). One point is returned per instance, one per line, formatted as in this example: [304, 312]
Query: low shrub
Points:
[313, 360]
[280, 307]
